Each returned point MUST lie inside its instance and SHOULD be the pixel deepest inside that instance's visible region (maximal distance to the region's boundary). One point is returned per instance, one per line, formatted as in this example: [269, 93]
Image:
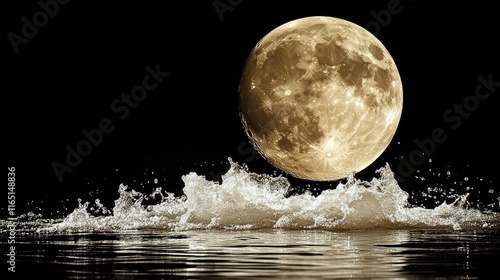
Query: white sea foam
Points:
[246, 200]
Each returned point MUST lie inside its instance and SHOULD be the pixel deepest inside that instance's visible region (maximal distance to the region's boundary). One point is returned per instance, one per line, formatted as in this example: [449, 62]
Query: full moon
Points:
[320, 98]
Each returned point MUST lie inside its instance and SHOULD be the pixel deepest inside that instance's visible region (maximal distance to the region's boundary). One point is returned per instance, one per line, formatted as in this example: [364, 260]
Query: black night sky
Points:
[76, 71]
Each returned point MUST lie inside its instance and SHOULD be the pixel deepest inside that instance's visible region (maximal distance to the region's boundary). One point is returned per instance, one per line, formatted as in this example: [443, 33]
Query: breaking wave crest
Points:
[246, 200]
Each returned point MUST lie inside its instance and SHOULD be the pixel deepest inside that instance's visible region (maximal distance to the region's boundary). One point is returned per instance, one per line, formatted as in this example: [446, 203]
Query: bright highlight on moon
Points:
[320, 98]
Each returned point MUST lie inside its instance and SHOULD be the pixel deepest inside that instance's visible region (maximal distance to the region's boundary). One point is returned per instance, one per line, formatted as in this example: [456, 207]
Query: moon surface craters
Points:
[320, 98]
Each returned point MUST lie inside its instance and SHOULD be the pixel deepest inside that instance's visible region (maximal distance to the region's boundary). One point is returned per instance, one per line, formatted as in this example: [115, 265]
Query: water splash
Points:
[246, 200]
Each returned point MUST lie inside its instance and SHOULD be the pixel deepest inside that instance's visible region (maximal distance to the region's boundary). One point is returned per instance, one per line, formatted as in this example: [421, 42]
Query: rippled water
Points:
[248, 226]
[259, 254]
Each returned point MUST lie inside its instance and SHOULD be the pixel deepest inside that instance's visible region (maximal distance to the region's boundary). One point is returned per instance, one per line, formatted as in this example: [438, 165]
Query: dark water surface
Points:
[247, 227]
[260, 254]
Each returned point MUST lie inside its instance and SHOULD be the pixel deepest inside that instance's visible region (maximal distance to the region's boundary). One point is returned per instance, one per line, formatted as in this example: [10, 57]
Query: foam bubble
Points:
[246, 200]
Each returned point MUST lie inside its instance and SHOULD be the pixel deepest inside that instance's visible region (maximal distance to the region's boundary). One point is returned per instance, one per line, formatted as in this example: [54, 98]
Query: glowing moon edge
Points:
[320, 98]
